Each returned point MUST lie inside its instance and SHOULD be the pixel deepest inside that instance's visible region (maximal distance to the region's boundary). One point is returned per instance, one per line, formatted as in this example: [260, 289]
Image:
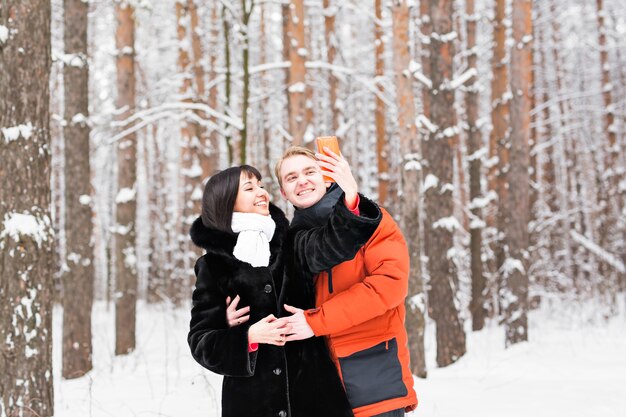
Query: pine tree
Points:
[26, 236]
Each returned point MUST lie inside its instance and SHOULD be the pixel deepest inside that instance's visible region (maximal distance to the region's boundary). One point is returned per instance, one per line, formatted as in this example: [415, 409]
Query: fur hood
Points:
[222, 243]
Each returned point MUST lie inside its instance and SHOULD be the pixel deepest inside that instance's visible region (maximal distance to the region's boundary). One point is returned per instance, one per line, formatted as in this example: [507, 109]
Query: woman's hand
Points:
[236, 317]
[336, 167]
[269, 330]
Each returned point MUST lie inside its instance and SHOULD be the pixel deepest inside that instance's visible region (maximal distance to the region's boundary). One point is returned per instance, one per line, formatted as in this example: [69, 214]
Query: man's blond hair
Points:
[292, 151]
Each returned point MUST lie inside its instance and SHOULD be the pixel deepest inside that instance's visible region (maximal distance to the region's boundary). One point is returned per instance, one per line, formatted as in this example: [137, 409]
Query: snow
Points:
[598, 251]
[429, 182]
[84, 199]
[298, 87]
[572, 365]
[477, 224]
[446, 37]
[422, 120]
[79, 119]
[160, 378]
[4, 34]
[511, 265]
[13, 133]
[413, 165]
[450, 132]
[481, 202]
[196, 195]
[448, 223]
[195, 171]
[463, 78]
[16, 225]
[125, 195]
[479, 154]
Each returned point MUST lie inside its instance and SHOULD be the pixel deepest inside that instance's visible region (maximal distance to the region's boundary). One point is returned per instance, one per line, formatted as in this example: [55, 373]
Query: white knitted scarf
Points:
[253, 243]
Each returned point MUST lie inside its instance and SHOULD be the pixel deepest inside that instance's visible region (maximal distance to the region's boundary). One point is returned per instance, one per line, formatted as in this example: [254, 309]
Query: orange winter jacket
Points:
[360, 309]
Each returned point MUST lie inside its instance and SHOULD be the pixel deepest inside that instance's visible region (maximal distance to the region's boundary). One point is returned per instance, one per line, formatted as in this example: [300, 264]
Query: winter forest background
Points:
[493, 131]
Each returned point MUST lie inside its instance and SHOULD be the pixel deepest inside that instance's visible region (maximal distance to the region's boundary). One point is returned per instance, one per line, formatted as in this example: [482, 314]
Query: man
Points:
[359, 303]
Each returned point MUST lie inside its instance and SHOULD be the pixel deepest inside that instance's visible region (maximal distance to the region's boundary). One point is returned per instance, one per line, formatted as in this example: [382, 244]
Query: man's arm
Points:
[387, 261]
[339, 240]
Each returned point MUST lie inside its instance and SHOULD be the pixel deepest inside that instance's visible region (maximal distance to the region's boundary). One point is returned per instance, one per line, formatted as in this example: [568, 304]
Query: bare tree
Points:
[515, 268]
[26, 235]
[440, 222]
[330, 11]
[210, 153]
[125, 250]
[247, 7]
[497, 172]
[297, 71]
[474, 146]
[78, 280]
[611, 199]
[382, 151]
[411, 179]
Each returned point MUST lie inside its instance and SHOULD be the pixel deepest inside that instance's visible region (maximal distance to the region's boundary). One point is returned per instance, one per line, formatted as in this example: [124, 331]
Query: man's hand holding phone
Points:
[337, 168]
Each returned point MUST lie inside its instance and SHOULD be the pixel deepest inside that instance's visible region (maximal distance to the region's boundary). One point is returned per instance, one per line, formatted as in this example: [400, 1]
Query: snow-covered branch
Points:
[592, 247]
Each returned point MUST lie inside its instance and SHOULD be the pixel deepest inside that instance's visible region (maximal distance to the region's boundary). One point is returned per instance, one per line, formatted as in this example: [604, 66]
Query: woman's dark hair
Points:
[220, 194]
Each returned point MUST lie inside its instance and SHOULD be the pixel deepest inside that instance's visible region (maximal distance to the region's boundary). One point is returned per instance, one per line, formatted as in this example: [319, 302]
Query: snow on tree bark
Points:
[125, 246]
[474, 144]
[78, 279]
[26, 234]
[296, 85]
[514, 271]
[439, 223]
[410, 185]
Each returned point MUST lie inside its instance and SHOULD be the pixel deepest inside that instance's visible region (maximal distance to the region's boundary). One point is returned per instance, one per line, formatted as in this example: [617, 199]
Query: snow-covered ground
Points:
[573, 366]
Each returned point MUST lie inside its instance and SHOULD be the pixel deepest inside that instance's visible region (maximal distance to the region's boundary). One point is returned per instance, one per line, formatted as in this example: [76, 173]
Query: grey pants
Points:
[394, 413]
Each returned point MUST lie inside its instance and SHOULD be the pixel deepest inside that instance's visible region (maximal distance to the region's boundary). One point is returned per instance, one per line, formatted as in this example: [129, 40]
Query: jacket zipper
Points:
[330, 280]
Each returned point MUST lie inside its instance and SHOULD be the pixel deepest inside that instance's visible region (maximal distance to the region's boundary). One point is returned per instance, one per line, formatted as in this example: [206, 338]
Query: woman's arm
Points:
[217, 346]
[213, 344]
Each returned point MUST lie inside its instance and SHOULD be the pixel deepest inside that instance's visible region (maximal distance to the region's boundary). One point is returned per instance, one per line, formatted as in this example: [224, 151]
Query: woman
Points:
[243, 235]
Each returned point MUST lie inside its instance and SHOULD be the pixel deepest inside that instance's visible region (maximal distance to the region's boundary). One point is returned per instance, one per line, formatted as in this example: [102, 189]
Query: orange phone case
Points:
[332, 143]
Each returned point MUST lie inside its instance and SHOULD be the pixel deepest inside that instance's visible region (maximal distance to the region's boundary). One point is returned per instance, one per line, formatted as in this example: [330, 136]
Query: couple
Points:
[340, 270]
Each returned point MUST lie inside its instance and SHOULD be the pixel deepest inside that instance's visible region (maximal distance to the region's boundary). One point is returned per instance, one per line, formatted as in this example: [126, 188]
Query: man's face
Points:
[303, 182]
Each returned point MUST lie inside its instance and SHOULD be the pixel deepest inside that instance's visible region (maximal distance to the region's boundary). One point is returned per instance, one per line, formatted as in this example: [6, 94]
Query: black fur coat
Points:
[298, 380]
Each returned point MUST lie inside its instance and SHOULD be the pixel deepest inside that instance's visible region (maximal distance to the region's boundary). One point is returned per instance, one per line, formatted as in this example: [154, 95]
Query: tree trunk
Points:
[190, 170]
[610, 198]
[228, 83]
[440, 222]
[497, 172]
[211, 152]
[157, 286]
[297, 72]
[78, 280]
[205, 148]
[562, 232]
[244, 32]
[26, 234]
[382, 151]
[514, 270]
[411, 180]
[474, 145]
[330, 11]
[125, 252]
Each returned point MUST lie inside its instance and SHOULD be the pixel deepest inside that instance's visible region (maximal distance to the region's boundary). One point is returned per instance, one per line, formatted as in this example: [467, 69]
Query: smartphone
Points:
[330, 142]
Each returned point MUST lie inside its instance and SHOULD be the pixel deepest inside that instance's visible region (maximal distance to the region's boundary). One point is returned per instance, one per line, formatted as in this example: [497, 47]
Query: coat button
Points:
[267, 288]
[277, 371]
[282, 413]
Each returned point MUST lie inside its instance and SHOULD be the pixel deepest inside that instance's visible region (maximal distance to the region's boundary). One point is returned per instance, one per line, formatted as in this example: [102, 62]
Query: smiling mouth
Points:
[305, 192]
[261, 204]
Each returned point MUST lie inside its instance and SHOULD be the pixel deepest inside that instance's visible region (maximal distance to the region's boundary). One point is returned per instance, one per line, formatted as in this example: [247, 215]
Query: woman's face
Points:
[252, 197]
